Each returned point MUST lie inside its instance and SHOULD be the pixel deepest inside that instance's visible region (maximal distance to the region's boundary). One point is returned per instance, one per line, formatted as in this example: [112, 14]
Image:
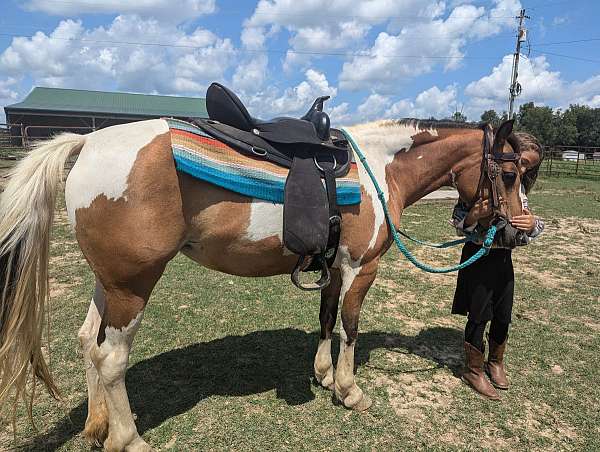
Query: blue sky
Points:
[376, 58]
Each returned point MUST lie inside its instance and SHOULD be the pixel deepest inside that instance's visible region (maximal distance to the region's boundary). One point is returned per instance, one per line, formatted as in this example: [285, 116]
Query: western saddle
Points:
[312, 151]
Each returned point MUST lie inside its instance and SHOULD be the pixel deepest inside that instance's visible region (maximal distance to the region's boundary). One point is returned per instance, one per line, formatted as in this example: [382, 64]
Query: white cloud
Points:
[539, 84]
[293, 101]
[251, 73]
[315, 26]
[560, 20]
[72, 56]
[340, 114]
[431, 102]
[372, 107]
[422, 45]
[8, 94]
[174, 10]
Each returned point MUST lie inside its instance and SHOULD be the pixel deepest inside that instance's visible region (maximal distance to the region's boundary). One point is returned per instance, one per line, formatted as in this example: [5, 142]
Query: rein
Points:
[490, 168]
[483, 251]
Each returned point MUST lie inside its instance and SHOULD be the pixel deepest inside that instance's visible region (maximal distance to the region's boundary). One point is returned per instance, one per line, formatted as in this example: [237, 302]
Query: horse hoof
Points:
[355, 399]
[326, 380]
[139, 445]
[364, 404]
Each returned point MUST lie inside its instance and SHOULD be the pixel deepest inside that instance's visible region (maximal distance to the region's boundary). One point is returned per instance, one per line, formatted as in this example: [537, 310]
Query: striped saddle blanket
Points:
[210, 160]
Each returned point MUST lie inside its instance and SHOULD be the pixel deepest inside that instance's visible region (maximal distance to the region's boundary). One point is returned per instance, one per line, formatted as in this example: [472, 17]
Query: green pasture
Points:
[560, 168]
[225, 363]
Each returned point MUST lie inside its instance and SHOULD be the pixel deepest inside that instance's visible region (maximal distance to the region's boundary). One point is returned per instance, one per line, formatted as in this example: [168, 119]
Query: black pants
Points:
[484, 292]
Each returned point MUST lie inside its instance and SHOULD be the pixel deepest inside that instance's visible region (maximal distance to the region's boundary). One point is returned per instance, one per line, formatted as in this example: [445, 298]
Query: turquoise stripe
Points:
[243, 180]
[225, 168]
[268, 190]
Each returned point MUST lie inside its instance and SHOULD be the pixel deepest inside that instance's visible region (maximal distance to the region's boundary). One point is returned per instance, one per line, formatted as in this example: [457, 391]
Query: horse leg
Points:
[121, 319]
[330, 297]
[96, 424]
[356, 281]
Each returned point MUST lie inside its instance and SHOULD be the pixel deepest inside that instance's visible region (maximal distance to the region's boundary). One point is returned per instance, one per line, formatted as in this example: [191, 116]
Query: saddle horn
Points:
[319, 118]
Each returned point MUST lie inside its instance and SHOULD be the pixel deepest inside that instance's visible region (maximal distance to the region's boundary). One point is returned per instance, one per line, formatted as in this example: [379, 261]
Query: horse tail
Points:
[26, 212]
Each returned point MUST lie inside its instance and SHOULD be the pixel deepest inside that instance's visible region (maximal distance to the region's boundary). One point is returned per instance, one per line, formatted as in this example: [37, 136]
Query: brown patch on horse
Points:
[356, 221]
[128, 241]
[222, 244]
[423, 137]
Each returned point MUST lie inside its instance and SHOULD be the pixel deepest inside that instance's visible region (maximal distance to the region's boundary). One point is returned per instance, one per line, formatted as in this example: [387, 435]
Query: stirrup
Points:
[318, 285]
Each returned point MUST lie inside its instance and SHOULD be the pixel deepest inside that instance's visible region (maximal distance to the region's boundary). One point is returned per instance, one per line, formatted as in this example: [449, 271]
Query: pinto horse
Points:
[132, 212]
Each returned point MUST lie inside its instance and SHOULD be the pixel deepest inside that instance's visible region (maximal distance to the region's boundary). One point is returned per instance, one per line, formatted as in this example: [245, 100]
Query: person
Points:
[485, 289]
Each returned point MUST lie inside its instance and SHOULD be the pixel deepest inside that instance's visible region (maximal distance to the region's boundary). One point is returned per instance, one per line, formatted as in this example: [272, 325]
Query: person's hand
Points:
[481, 209]
[525, 222]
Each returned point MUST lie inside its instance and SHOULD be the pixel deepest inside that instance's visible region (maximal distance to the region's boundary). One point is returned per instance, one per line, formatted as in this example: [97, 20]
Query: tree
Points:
[566, 127]
[587, 123]
[459, 117]
[490, 116]
[539, 121]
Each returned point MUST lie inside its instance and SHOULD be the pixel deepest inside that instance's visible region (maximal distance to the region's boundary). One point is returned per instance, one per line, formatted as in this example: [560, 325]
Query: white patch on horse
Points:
[323, 364]
[266, 220]
[349, 268]
[104, 164]
[115, 337]
[380, 142]
[111, 360]
[87, 339]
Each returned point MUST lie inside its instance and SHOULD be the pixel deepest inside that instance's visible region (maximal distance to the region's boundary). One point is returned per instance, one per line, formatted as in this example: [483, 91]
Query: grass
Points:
[583, 168]
[226, 363]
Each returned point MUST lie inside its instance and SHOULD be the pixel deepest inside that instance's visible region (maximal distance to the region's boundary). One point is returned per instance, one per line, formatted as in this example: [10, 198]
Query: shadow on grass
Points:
[173, 382]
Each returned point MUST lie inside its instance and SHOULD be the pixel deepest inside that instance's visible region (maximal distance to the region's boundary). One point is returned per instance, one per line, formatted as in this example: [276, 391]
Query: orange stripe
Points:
[201, 139]
[223, 152]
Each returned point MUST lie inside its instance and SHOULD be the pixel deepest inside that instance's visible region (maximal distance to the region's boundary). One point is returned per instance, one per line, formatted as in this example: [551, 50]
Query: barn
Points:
[46, 111]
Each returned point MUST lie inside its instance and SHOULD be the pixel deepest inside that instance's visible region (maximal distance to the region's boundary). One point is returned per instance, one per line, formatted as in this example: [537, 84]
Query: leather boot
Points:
[494, 366]
[473, 374]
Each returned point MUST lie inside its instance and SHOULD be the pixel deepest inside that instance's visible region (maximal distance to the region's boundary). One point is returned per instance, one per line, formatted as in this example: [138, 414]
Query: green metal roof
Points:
[82, 101]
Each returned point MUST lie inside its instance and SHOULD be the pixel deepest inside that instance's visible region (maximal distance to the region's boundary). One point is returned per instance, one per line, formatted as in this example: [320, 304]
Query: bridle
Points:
[493, 156]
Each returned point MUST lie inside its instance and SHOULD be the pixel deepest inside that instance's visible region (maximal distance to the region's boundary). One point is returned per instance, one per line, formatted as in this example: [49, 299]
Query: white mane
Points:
[386, 137]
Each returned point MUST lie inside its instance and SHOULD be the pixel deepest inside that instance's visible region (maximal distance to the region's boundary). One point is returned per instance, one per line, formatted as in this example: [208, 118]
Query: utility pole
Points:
[515, 87]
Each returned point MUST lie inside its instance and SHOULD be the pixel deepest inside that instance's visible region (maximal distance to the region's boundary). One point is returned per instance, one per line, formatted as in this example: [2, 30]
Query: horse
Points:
[132, 212]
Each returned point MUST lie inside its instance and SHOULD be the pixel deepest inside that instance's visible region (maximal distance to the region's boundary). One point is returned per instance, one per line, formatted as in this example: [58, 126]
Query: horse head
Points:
[493, 175]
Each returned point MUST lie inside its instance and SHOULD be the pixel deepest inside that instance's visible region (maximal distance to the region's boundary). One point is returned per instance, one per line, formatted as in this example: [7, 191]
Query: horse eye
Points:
[509, 177]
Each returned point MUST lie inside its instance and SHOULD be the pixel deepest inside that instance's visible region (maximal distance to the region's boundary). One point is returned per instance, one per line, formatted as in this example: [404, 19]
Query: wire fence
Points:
[571, 161]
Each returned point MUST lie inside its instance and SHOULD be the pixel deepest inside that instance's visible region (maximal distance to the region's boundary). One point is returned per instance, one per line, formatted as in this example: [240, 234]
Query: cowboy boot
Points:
[494, 366]
[473, 374]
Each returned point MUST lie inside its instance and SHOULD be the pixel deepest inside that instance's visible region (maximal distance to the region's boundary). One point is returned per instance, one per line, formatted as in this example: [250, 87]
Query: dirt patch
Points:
[413, 398]
[540, 420]
[69, 257]
[60, 289]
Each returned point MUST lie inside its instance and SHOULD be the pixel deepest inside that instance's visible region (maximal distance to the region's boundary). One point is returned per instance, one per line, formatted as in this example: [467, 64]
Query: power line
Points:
[565, 42]
[16, 28]
[589, 60]
[299, 52]
[258, 13]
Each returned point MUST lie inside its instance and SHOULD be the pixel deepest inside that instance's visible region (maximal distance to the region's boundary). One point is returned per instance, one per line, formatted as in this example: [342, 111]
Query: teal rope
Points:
[485, 249]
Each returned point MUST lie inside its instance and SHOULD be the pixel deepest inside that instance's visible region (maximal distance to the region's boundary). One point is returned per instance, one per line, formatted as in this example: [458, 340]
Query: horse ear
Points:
[502, 135]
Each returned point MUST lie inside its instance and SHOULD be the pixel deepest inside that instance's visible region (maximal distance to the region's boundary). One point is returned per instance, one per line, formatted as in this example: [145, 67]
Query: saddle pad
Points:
[210, 160]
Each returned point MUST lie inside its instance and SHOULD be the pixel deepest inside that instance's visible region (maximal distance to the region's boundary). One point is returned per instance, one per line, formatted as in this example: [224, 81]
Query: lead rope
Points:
[485, 249]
